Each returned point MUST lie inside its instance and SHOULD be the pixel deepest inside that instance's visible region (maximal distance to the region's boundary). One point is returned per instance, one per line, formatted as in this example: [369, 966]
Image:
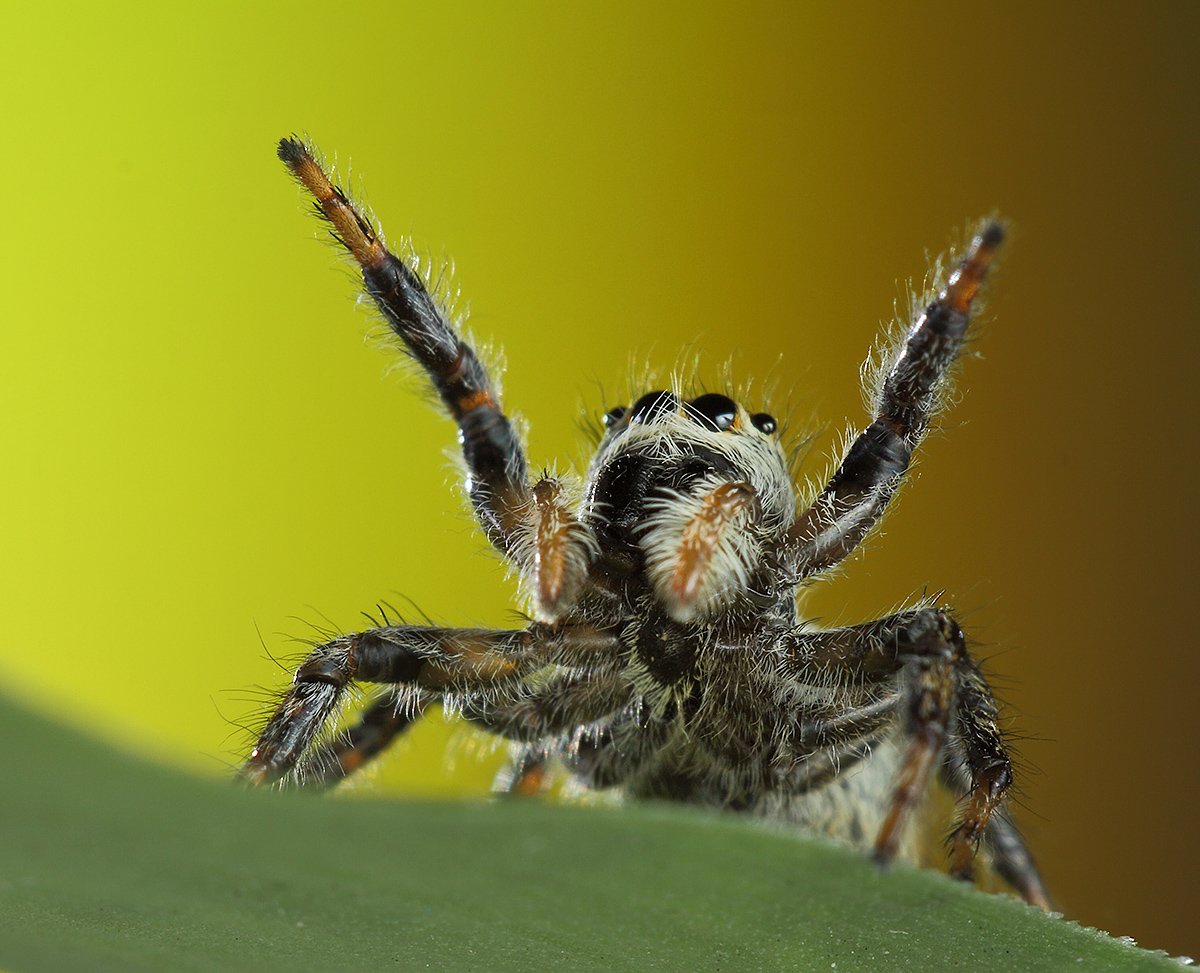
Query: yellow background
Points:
[198, 445]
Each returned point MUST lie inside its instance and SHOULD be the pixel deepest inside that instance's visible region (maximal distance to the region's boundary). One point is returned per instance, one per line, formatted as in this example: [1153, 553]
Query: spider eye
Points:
[714, 410]
[613, 416]
[763, 422]
[654, 404]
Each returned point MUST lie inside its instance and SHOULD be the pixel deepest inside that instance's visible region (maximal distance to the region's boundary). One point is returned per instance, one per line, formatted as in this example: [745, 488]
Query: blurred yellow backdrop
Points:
[199, 445]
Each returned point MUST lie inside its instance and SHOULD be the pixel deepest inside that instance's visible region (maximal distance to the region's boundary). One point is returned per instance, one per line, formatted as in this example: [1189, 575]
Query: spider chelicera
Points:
[666, 658]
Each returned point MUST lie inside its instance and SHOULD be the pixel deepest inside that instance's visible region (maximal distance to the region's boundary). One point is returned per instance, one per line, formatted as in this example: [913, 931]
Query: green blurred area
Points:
[203, 459]
[157, 871]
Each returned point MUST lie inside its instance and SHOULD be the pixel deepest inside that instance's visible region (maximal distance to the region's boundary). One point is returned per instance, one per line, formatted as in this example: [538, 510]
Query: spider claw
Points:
[292, 150]
[252, 773]
[965, 282]
[966, 874]
[883, 858]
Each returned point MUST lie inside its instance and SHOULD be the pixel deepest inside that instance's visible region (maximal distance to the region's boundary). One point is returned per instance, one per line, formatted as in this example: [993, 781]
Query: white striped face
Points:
[697, 486]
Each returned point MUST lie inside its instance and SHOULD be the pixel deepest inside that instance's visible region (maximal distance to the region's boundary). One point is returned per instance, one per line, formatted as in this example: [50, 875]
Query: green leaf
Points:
[111, 864]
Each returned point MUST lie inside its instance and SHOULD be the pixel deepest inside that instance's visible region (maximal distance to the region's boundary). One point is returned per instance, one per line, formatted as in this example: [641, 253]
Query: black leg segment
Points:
[437, 659]
[497, 479]
[904, 403]
[378, 726]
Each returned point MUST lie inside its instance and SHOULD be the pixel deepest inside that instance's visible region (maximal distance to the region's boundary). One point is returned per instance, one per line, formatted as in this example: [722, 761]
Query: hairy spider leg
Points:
[819, 731]
[904, 403]
[539, 719]
[440, 660]
[586, 708]
[428, 657]
[378, 725]
[611, 752]
[609, 738]
[525, 774]
[558, 706]
[980, 744]
[497, 478]
[944, 702]
[928, 679]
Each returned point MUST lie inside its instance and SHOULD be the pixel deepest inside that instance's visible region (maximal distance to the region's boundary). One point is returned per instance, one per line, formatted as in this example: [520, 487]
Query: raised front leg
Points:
[497, 478]
[904, 403]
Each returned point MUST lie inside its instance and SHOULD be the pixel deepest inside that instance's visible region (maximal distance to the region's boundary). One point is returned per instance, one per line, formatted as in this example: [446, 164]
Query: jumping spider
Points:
[666, 658]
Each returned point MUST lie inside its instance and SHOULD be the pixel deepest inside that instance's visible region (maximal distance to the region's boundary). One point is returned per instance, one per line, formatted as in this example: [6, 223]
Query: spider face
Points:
[680, 496]
[668, 658]
[664, 446]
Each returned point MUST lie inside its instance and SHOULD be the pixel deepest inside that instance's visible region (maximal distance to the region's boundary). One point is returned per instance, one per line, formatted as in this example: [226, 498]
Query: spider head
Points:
[689, 489]
[666, 444]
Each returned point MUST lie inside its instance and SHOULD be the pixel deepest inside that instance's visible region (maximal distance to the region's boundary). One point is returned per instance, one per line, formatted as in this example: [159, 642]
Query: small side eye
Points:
[613, 416]
[763, 422]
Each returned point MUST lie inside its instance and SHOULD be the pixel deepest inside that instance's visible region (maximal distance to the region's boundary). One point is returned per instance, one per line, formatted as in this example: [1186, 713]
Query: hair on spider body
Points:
[665, 657]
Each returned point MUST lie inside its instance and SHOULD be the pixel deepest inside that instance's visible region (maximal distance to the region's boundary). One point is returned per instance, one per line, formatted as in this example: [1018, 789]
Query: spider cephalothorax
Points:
[684, 497]
[666, 658]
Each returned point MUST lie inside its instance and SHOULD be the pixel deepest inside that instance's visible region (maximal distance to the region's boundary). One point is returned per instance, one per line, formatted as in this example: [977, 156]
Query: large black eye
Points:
[613, 416]
[714, 410]
[763, 422]
[654, 404]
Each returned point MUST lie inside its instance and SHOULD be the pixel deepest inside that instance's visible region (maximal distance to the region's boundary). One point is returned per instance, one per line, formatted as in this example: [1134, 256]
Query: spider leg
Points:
[611, 752]
[850, 725]
[440, 660]
[497, 478]
[1013, 861]
[820, 767]
[930, 690]
[564, 702]
[593, 710]
[379, 724]
[557, 707]
[604, 752]
[983, 766]
[979, 742]
[904, 403]
[942, 690]
[525, 773]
